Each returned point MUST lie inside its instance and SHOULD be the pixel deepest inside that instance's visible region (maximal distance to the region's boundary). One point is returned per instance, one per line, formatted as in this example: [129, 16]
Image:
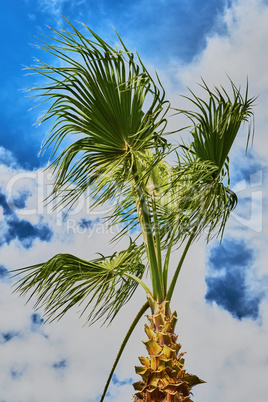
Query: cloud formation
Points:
[3, 272]
[227, 282]
[7, 336]
[60, 364]
[228, 309]
[21, 229]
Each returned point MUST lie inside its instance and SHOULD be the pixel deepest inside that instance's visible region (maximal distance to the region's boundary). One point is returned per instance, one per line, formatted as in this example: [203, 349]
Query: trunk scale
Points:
[164, 378]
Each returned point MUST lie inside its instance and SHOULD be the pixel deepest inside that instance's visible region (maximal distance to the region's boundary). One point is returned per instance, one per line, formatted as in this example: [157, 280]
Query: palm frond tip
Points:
[217, 121]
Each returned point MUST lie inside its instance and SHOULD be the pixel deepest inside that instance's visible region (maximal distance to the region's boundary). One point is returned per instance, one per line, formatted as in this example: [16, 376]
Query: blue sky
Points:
[147, 31]
[222, 294]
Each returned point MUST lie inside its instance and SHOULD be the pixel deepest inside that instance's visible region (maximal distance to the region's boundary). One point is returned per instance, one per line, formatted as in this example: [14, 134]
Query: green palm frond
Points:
[178, 201]
[205, 199]
[217, 122]
[199, 188]
[101, 97]
[102, 285]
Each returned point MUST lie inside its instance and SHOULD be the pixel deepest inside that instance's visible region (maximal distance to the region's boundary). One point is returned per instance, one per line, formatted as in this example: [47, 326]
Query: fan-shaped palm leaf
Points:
[217, 122]
[101, 98]
[199, 183]
[106, 283]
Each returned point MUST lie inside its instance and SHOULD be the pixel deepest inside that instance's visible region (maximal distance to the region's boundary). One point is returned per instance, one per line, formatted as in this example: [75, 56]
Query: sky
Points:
[222, 293]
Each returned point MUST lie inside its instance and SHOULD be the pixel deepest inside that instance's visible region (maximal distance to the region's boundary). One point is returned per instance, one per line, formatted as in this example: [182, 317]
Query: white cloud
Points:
[7, 158]
[223, 351]
[241, 53]
[55, 7]
[32, 354]
[231, 355]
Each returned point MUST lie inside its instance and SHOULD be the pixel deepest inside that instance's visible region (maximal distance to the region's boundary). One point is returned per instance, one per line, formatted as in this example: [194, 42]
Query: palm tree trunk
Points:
[164, 378]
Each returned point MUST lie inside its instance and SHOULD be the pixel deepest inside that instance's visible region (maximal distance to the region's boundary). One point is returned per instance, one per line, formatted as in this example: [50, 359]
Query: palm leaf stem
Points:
[167, 258]
[122, 347]
[157, 234]
[145, 287]
[178, 269]
[147, 231]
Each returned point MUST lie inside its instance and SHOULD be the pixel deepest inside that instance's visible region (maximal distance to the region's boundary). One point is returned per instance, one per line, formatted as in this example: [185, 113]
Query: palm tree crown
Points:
[115, 113]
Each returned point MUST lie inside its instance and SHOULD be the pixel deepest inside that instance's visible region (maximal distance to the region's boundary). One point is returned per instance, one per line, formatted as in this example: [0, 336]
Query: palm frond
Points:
[101, 286]
[217, 122]
[205, 200]
[200, 198]
[107, 97]
[179, 200]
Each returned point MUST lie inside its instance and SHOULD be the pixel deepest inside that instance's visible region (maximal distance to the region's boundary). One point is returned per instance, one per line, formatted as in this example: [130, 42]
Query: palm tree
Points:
[107, 99]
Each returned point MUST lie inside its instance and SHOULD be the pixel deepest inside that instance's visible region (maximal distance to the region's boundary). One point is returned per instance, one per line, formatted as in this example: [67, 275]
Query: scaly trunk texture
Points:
[163, 375]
